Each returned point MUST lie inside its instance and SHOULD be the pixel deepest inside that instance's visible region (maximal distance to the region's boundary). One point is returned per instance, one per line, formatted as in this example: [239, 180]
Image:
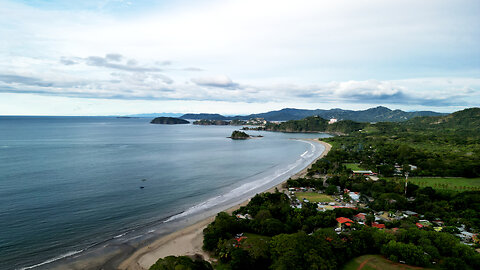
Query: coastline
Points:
[189, 240]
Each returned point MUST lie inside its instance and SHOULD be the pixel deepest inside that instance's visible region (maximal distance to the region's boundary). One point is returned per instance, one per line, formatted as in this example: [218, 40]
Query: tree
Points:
[224, 227]
[409, 253]
[181, 263]
[331, 190]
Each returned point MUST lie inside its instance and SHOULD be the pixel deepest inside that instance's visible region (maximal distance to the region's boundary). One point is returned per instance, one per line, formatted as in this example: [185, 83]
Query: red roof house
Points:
[378, 225]
[360, 216]
[344, 220]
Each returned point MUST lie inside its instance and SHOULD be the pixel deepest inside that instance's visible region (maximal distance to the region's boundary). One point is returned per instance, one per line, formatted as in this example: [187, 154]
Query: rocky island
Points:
[168, 121]
[239, 135]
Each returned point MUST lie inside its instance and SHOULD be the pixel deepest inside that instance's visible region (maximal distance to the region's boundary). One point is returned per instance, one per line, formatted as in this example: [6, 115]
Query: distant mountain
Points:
[153, 115]
[204, 116]
[377, 114]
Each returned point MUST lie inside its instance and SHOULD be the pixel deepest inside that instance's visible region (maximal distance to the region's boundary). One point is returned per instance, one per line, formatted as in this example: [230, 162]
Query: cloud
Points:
[192, 69]
[368, 90]
[111, 61]
[18, 79]
[220, 81]
[67, 62]
[114, 57]
[438, 92]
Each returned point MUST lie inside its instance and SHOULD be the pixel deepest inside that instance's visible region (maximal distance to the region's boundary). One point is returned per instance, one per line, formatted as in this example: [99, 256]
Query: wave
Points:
[244, 189]
[68, 254]
[120, 235]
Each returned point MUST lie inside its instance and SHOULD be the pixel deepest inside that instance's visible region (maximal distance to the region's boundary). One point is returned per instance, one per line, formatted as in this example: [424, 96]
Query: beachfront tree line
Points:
[281, 237]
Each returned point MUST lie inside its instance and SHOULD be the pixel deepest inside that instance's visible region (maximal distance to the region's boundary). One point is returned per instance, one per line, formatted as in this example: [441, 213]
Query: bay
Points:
[68, 183]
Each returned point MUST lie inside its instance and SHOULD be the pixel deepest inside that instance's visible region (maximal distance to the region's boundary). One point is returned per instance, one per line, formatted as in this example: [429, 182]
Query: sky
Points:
[237, 57]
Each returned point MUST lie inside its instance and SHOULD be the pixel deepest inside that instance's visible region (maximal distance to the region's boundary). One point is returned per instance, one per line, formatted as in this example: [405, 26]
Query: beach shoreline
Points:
[189, 240]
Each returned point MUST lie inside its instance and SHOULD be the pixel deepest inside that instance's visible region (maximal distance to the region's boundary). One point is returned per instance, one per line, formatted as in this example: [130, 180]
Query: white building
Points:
[333, 120]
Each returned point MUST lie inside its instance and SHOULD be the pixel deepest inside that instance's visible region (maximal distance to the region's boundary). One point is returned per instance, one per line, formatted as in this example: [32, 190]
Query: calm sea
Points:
[69, 183]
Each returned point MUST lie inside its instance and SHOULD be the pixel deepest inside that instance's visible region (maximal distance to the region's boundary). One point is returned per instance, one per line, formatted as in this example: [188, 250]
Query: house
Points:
[410, 213]
[354, 195]
[365, 173]
[476, 239]
[466, 236]
[378, 225]
[425, 223]
[331, 121]
[239, 239]
[419, 225]
[439, 223]
[360, 217]
[344, 222]
[246, 216]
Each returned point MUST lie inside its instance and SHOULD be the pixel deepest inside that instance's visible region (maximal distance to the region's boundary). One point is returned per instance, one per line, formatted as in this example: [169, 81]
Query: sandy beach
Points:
[189, 240]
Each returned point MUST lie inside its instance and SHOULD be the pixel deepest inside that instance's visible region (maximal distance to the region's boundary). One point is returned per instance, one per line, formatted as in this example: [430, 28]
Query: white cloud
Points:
[215, 81]
[307, 51]
[369, 88]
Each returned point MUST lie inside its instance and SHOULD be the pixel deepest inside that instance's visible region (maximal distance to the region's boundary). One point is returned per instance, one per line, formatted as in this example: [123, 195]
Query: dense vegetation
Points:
[206, 122]
[315, 124]
[437, 146]
[304, 238]
[239, 135]
[181, 263]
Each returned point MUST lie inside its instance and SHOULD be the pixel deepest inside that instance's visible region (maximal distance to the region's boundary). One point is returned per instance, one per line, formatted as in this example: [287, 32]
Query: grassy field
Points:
[253, 236]
[374, 262]
[451, 183]
[353, 167]
[314, 197]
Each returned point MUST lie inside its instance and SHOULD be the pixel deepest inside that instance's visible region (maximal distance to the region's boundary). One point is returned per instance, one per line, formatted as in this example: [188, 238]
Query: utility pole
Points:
[406, 183]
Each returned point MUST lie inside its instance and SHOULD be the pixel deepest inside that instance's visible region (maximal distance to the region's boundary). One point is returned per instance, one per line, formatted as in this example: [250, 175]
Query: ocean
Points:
[73, 186]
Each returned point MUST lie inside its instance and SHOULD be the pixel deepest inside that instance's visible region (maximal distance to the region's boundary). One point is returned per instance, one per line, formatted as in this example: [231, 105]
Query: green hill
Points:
[468, 119]
[316, 124]
[439, 146]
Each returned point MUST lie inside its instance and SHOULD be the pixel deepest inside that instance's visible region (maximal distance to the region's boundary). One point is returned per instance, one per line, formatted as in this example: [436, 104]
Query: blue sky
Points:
[237, 57]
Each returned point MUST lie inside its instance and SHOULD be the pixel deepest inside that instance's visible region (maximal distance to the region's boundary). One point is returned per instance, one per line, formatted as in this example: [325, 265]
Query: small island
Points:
[239, 135]
[168, 121]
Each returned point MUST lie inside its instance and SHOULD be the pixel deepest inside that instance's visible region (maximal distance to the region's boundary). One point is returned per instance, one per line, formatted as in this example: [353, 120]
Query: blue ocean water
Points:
[68, 183]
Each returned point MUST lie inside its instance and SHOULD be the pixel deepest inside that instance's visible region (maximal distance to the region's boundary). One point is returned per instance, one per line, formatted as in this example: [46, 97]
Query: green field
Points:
[314, 197]
[374, 262]
[353, 166]
[450, 183]
[253, 236]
